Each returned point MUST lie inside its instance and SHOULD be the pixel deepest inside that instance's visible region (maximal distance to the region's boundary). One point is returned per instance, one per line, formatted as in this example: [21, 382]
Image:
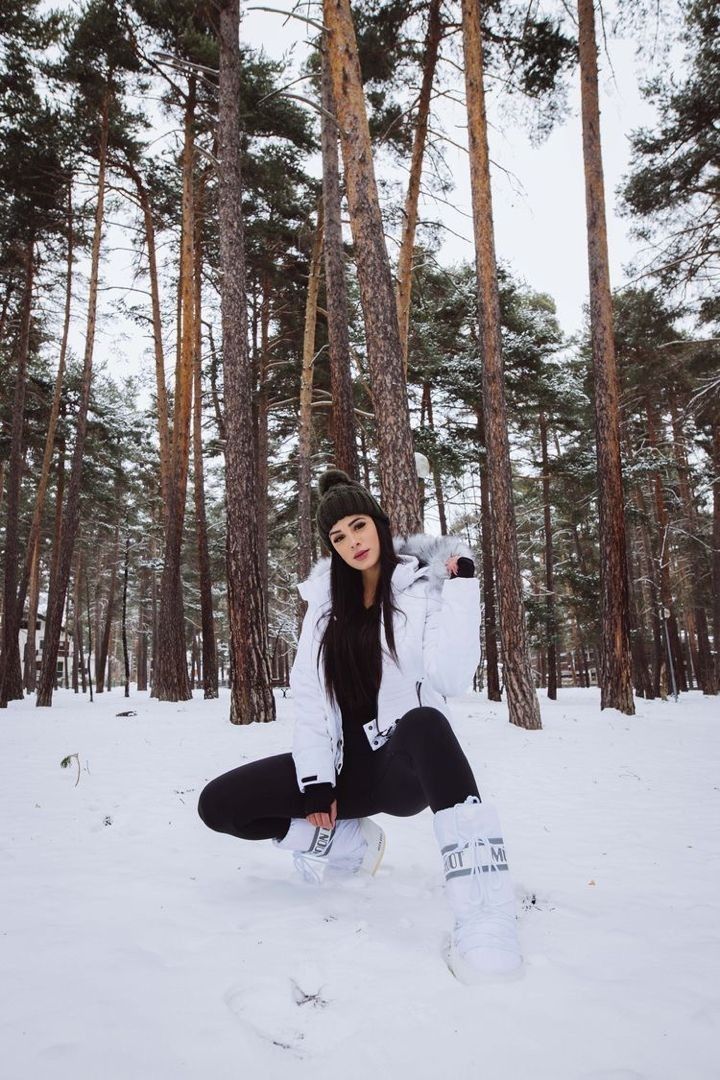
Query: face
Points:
[354, 535]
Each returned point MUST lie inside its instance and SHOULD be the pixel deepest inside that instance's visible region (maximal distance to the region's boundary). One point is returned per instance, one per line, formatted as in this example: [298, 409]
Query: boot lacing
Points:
[308, 867]
[486, 926]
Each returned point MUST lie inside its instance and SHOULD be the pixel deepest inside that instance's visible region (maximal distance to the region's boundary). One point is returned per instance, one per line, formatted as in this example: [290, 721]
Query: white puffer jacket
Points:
[438, 648]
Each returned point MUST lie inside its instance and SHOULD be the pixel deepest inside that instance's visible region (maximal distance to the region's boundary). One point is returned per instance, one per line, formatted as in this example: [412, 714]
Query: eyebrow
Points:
[335, 532]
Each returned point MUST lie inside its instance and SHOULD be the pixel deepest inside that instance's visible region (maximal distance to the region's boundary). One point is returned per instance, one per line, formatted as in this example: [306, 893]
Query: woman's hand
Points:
[324, 821]
[460, 566]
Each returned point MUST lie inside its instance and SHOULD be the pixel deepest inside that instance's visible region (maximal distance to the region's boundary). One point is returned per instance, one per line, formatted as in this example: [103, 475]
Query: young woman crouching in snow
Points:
[391, 630]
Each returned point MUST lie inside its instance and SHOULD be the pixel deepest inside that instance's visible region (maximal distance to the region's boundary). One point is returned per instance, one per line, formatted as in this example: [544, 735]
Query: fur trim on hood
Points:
[429, 551]
[433, 552]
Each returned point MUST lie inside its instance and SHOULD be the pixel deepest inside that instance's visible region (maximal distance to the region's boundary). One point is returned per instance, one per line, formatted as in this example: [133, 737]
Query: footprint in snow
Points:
[288, 1012]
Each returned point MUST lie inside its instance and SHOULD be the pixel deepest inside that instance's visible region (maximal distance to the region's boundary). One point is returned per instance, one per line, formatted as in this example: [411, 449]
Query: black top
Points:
[355, 712]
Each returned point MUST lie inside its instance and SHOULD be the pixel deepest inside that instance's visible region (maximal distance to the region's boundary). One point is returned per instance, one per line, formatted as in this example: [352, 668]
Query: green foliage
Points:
[674, 181]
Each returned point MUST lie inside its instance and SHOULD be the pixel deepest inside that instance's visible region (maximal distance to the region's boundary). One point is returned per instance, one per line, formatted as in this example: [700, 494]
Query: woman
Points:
[391, 630]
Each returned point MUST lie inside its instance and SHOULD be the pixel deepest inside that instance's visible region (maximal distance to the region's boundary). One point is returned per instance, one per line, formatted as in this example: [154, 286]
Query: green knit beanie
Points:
[339, 497]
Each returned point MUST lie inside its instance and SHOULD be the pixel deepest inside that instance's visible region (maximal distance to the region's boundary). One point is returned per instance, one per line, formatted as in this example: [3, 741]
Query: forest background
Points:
[158, 447]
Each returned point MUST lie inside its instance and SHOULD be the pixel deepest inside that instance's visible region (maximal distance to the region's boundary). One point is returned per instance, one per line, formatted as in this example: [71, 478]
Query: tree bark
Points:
[32, 551]
[488, 570]
[251, 697]
[126, 655]
[697, 572]
[77, 626]
[641, 671]
[10, 674]
[160, 388]
[522, 699]
[30, 658]
[715, 464]
[550, 615]
[305, 410]
[615, 660]
[89, 626]
[338, 318]
[407, 245]
[104, 638]
[71, 516]
[262, 417]
[662, 557]
[398, 479]
[210, 683]
[142, 636]
[437, 476]
[171, 681]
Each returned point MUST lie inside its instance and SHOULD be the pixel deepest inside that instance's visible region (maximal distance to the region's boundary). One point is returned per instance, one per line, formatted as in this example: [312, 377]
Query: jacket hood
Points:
[421, 555]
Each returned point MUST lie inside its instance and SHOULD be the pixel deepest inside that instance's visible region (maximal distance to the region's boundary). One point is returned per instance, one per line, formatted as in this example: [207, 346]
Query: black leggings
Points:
[422, 764]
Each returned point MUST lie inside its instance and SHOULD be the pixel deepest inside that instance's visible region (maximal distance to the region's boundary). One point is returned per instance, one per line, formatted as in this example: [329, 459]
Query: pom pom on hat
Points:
[330, 478]
[341, 496]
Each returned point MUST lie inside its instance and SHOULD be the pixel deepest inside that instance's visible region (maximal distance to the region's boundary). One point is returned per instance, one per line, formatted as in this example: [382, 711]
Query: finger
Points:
[333, 813]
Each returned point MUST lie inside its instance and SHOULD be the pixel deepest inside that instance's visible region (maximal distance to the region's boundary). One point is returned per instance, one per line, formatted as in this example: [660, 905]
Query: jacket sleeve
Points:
[451, 638]
[312, 746]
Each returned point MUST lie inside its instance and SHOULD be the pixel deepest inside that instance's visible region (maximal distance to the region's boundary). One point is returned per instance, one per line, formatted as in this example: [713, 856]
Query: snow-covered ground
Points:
[135, 944]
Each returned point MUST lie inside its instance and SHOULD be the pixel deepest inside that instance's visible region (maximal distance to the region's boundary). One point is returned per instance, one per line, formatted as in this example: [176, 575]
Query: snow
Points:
[136, 943]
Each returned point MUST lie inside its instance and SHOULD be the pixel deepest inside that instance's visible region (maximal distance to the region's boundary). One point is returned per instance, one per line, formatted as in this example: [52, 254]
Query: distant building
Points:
[65, 652]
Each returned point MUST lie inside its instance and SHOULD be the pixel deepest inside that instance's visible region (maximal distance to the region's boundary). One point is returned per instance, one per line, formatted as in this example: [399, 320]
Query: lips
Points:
[362, 554]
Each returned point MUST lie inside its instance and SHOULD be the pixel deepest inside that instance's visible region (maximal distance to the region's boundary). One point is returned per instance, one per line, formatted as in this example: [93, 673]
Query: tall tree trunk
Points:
[615, 673]
[715, 464]
[437, 476]
[104, 639]
[262, 419]
[662, 557]
[252, 697]
[641, 672]
[89, 626]
[77, 625]
[142, 636]
[648, 610]
[550, 616]
[407, 245]
[305, 428]
[32, 550]
[697, 572]
[10, 674]
[57, 530]
[154, 609]
[398, 479]
[71, 516]
[30, 665]
[522, 699]
[126, 655]
[210, 684]
[488, 570]
[338, 319]
[7, 298]
[160, 388]
[171, 681]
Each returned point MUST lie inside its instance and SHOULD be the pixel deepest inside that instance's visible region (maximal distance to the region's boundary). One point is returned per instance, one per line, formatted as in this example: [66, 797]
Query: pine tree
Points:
[252, 698]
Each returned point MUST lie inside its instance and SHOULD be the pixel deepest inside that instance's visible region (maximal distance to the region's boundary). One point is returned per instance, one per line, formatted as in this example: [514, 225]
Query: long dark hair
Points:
[350, 648]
